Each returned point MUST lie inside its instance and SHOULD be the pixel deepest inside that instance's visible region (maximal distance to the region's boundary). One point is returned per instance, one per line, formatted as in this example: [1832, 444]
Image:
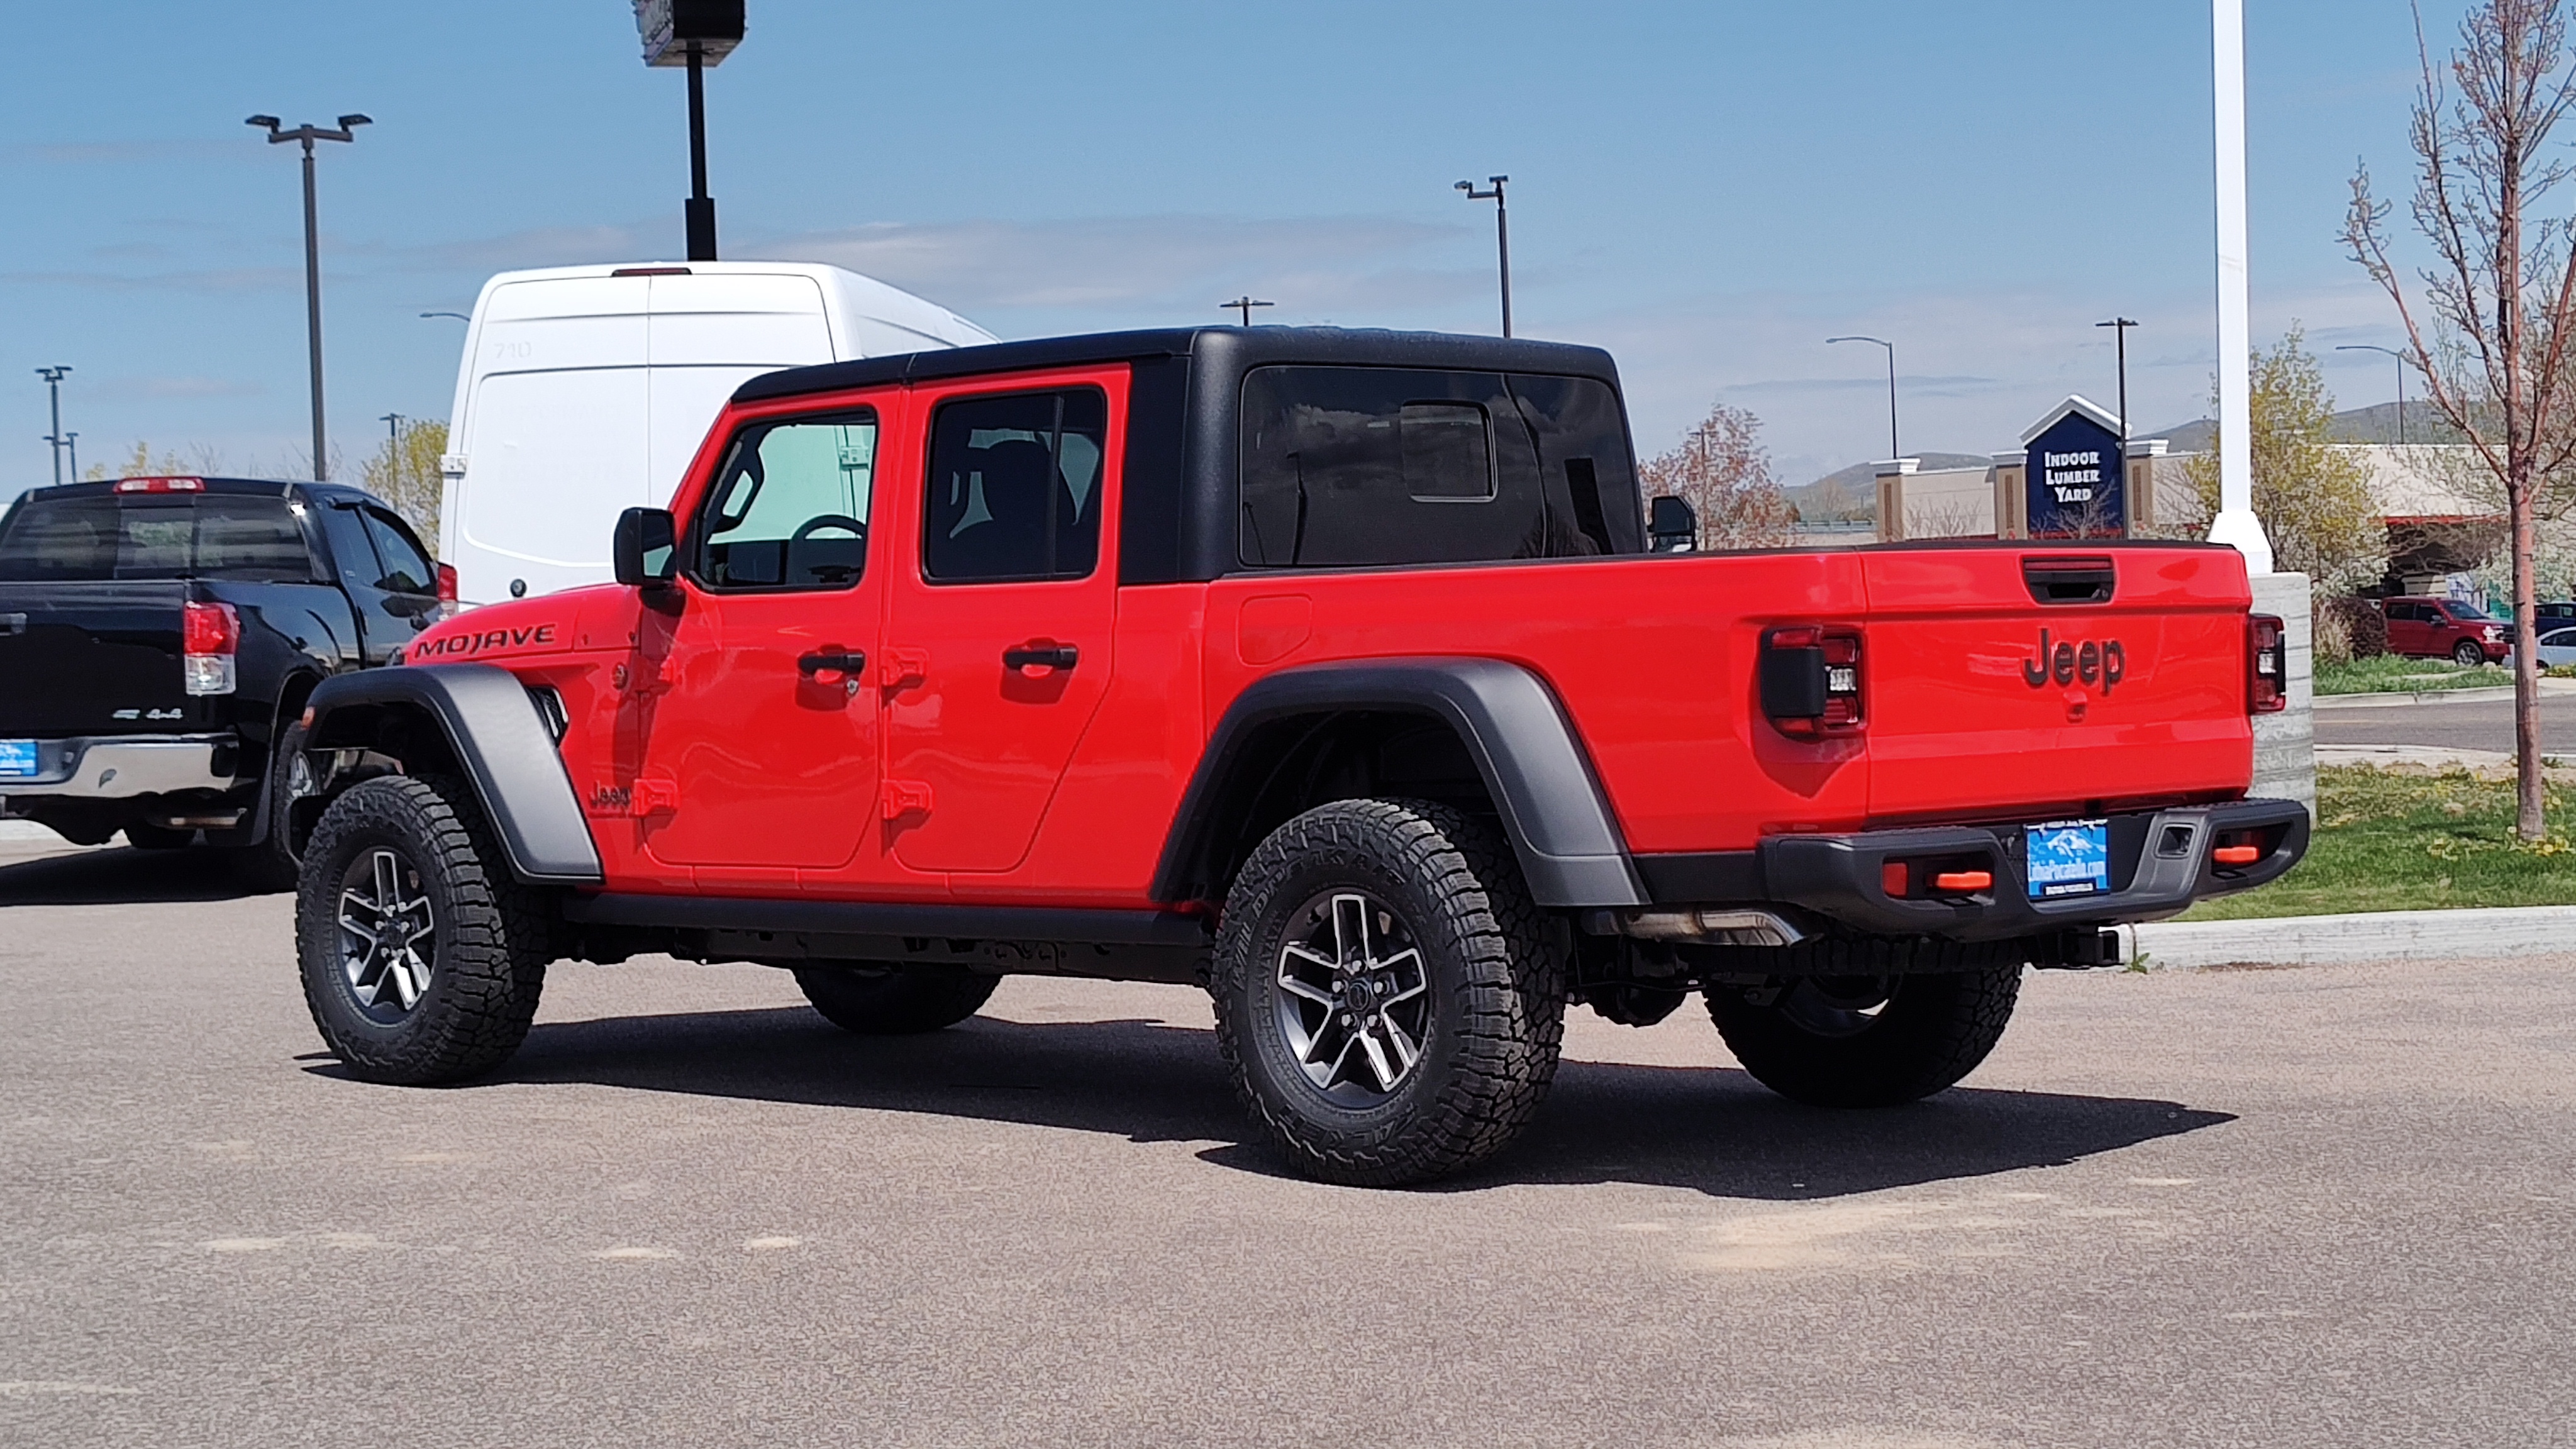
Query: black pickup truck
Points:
[158, 637]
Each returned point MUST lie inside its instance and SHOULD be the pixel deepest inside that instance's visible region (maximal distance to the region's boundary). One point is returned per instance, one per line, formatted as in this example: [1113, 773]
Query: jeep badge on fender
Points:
[2068, 662]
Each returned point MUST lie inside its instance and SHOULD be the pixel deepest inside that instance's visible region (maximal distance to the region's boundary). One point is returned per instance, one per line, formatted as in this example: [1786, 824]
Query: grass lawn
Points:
[2391, 841]
[2388, 674]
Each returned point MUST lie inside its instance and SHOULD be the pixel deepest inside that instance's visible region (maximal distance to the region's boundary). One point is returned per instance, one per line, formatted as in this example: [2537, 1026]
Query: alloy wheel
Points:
[388, 939]
[1353, 997]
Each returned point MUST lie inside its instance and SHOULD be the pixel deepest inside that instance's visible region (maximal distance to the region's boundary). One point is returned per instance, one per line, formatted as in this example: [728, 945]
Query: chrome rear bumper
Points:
[123, 766]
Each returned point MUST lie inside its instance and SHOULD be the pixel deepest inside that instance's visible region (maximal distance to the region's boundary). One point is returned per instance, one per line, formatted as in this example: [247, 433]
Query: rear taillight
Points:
[209, 636]
[2267, 683]
[448, 608]
[1810, 679]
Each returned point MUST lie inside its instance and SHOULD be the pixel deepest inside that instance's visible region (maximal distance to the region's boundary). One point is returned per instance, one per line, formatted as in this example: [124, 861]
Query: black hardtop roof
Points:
[1235, 347]
[267, 487]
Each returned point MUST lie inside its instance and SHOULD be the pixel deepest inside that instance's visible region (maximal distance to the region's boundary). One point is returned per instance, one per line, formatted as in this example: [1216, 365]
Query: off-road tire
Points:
[2467, 655]
[490, 940]
[273, 864]
[1934, 1028]
[1496, 991]
[158, 837]
[895, 1000]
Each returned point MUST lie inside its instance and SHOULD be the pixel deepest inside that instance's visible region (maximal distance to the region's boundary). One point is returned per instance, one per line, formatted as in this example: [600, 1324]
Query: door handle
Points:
[1035, 655]
[851, 663]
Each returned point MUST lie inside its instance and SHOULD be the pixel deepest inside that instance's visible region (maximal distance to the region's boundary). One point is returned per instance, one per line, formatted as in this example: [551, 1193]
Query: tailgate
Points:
[2140, 696]
[92, 658]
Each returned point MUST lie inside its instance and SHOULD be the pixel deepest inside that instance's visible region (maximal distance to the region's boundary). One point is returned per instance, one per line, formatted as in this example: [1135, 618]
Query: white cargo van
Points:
[586, 390]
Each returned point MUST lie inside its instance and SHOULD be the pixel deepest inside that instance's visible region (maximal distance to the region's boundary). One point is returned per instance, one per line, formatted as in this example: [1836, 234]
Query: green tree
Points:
[2313, 496]
[404, 472]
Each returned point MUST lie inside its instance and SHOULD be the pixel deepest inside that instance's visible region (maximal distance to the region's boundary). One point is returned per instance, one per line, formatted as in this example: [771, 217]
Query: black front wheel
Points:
[1384, 994]
[422, 956]
[2468, 655]
[1866, 1040]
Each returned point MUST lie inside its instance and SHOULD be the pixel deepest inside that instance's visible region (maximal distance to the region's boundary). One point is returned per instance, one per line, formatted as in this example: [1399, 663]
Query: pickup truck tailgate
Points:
[91, 658]
[2053, 680]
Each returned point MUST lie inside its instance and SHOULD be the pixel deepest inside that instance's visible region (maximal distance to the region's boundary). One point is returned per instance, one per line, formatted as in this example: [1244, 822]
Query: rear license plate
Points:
[2067, 858]
[17, 759]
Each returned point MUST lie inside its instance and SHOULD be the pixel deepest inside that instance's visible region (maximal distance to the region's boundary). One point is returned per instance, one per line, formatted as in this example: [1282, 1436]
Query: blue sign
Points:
[2074, 482]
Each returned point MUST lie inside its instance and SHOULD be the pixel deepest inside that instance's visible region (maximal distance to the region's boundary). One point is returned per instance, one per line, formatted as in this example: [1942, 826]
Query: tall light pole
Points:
[2235, 524]
[53, 377]
[308, 134]
[393, 427]
[1502, 237]
[1245, 304]
[2401, 377]
[1891, 385]
[2120, 329]
[71, 445]
[696, 34]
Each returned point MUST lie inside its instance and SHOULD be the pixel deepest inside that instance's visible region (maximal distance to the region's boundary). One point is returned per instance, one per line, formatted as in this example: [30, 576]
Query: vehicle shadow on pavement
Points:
[121, 877]
[1711, 1129]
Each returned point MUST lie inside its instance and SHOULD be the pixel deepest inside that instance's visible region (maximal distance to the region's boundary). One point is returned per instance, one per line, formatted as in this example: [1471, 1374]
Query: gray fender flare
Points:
[499, 739]
[1570, 849]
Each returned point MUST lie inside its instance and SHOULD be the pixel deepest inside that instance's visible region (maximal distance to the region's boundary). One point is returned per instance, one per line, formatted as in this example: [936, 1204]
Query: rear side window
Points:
[1351, 466]
[1014, 487]
[790, 509]
[212, 536]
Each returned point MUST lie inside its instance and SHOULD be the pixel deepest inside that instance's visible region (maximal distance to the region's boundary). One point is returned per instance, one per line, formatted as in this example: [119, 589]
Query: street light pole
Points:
[393, 427]
[71, 445]
[1245, 304]
[308, 134]
[697, 34]
[2120, 329]
[1891, 385]
[2401, 379]
[1502, 237]
[53, 377]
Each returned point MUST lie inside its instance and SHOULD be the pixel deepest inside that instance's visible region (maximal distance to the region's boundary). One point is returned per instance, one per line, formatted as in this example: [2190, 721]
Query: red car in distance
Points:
[2424, 627]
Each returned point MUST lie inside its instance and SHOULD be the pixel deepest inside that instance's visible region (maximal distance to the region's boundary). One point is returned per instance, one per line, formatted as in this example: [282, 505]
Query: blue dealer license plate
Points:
[17, 759]
[2067, 858]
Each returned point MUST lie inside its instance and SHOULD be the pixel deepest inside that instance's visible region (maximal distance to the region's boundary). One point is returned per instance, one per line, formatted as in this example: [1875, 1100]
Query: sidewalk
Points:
[2366, 936]
[2381, 699]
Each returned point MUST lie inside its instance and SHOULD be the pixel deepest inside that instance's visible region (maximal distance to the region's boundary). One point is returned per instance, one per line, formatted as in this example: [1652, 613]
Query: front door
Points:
[997, 651]
[761, 755]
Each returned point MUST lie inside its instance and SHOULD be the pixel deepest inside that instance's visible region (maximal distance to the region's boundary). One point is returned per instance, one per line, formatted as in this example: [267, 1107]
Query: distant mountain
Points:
[2374, 424]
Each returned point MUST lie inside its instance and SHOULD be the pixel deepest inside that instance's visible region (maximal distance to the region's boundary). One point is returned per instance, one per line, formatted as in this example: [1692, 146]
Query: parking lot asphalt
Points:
[2325, 1206]
[2485, 724]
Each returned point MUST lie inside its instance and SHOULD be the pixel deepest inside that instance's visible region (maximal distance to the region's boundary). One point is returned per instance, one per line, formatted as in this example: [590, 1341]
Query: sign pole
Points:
[2236, 524]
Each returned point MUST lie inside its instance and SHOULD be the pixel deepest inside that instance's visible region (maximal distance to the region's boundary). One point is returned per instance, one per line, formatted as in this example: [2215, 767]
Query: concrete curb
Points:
[2364, 936]
[2383, 699]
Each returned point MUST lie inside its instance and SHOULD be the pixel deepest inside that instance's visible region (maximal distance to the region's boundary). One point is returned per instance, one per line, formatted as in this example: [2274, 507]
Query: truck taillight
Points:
[2267, 684]
[209, 637]
[1810, 679]
[161, 485]
[448, 608]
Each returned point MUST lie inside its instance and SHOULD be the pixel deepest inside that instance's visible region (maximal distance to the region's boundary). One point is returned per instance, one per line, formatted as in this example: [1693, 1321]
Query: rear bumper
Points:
[2161, 863]
[120, 767]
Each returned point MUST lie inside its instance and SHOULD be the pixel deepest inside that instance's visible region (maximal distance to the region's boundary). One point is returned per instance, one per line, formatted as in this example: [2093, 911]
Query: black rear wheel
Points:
[895, 1000]
[1384, 993]
[1866, 1040]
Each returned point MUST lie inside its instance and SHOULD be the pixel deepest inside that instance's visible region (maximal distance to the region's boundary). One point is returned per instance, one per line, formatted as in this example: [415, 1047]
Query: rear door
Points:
[392, 586]
[998, 640]
[1989, 686]
[2406, 627]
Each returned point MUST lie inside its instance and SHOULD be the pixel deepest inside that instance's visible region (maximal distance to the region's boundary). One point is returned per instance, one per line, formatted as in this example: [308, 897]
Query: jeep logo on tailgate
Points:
[2066, 662]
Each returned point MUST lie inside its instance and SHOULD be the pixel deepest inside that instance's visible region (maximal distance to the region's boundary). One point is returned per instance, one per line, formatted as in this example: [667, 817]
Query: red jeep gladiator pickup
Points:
[1335, 671]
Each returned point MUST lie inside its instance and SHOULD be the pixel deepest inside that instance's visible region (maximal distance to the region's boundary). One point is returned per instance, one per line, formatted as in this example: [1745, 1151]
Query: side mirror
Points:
[1671, 525]
[643, 551]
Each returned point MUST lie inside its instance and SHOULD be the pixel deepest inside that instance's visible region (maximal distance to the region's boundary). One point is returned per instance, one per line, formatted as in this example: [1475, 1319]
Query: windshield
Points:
[2470, 614]
[214, 536]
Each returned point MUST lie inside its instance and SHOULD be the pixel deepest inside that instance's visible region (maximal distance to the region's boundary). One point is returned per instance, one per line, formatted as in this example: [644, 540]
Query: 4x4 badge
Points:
[2065, 662]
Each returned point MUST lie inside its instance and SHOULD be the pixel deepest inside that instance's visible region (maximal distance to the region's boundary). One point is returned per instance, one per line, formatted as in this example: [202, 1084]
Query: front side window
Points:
[1351, 466]
[789, 509]
[407, 570]
[1014, 487]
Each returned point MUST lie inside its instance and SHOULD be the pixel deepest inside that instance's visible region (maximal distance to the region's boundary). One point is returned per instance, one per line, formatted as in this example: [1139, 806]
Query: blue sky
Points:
[1709, 189]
